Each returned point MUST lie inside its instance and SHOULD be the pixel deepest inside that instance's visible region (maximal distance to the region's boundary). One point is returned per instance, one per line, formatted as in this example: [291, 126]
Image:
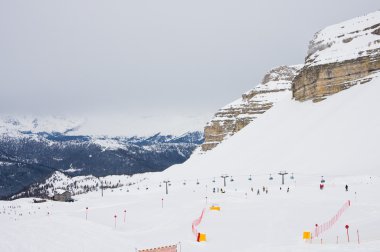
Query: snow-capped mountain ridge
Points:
[347, 40]
[37, 124]
[339, 57]
[28, 155]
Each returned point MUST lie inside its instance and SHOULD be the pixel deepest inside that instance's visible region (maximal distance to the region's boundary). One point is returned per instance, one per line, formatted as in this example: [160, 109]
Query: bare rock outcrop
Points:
[339, 57]
[236, 115]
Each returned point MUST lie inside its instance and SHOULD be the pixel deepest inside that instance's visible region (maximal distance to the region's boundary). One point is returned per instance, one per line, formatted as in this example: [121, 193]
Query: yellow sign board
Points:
[215, 208]
[201, 237]
[306, 235]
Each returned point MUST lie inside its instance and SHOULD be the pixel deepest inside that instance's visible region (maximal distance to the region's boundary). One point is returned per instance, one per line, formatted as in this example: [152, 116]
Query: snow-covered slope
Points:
[336, 137]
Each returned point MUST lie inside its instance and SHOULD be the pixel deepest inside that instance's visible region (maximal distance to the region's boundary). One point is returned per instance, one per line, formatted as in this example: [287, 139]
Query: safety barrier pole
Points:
[357, 231]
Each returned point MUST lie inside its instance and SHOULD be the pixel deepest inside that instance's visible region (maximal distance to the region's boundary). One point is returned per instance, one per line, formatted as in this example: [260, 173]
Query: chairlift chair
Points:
[270, 177]
[250, 177]
[292, 177]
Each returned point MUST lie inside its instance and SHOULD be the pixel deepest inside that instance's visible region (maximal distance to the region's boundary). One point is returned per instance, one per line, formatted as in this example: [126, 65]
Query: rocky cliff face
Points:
[339, 57]
[236, 115]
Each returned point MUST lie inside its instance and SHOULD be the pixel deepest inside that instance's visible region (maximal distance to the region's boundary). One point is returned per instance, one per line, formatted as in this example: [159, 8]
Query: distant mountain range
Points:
[33, 149]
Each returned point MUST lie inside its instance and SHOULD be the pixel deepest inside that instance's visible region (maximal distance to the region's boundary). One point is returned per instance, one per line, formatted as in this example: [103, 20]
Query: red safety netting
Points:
[196, 223]
[319, 229]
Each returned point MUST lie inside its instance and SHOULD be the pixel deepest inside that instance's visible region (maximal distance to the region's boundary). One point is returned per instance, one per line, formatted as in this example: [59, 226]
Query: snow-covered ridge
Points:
[347, 40]
[339, 57]
[59, 181]
[33, 124]
[37, 154]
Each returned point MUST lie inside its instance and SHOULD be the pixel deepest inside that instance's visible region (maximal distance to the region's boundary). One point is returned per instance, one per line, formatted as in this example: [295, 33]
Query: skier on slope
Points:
[346, 188]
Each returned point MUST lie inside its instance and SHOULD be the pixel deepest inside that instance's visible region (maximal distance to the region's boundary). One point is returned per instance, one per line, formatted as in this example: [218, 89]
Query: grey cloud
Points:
[165, 56]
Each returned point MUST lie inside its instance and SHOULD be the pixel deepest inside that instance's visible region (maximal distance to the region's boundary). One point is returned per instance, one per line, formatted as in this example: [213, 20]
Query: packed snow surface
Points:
[272, 221]
[337, 138]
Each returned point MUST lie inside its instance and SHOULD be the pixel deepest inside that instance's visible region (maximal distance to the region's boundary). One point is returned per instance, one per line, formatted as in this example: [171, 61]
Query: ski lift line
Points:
[253, 175]
[245, 176]
[211, 179]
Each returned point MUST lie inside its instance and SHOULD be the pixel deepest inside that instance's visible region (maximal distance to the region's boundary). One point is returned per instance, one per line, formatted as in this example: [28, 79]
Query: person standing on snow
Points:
[346, 188]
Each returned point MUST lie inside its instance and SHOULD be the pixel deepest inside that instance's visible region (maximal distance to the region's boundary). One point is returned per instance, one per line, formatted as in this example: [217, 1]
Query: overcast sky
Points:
[151, 58]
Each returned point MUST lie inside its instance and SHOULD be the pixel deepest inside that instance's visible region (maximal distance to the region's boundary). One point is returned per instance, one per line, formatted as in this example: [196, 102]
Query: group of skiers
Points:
[321, 186]
[265, 189]
[214, 190]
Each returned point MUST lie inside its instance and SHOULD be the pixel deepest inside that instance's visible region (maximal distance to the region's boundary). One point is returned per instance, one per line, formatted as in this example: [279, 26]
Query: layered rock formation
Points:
[339, 57]
[236, 115]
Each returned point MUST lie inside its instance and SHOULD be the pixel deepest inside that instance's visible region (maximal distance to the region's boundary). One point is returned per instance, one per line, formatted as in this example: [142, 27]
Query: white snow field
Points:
[337, 138]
